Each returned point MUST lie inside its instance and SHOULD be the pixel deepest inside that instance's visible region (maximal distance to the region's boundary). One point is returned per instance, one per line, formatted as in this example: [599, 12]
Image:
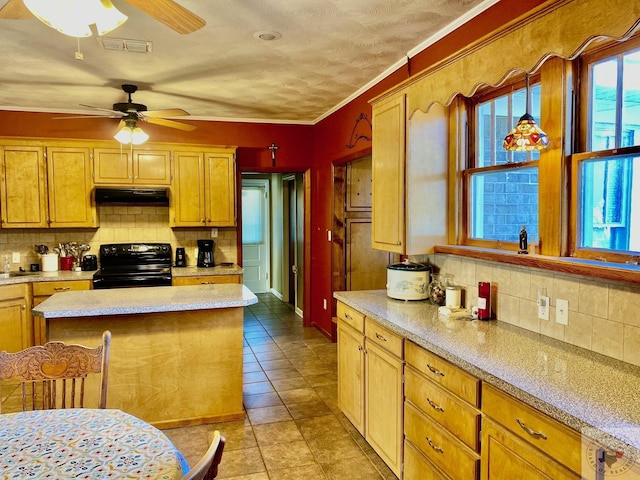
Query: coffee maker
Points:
[205, 253]
[181, 257]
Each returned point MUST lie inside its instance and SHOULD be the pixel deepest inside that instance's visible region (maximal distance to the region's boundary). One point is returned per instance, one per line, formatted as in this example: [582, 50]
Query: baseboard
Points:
[276, 294]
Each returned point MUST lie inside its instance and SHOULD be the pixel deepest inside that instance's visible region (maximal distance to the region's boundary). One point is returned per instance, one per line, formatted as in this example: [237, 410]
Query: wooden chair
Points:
[53, 375]
[207, 466]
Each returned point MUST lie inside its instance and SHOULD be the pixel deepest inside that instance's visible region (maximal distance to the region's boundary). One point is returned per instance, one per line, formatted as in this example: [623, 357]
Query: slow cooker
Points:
[408, 281]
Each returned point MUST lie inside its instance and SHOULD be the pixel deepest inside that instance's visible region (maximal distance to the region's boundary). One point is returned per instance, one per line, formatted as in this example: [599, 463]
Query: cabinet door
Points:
[187, 194]
[220, 188]
[23, 187]
[383, 405]
[351, 374]
[70, 188]
[505, 457]
[15, 333]
[388, 175]
[151, 167]
[112, 166]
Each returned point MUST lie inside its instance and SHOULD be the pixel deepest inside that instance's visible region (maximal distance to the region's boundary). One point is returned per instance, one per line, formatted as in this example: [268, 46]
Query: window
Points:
[607, 176]
[502, 186]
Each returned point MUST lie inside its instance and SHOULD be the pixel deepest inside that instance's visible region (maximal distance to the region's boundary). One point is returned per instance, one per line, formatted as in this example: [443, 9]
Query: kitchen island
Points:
[176, 352]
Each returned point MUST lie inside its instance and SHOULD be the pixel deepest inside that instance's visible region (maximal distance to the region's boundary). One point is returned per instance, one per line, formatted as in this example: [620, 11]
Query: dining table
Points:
[85, 443]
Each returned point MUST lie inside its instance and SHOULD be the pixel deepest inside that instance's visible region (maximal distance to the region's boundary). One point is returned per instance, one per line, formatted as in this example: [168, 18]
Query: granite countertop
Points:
[121, 301]
[589, 392]
[66, 275]
[60, 275]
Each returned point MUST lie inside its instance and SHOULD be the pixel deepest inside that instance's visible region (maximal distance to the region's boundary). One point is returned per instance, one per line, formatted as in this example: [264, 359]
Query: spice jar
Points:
[436, 290]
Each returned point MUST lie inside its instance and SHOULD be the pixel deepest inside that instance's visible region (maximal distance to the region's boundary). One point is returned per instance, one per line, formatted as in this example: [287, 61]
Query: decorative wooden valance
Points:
[561, 28]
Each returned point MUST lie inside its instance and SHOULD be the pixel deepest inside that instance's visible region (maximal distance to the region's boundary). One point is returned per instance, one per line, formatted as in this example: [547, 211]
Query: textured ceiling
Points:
[329, 50]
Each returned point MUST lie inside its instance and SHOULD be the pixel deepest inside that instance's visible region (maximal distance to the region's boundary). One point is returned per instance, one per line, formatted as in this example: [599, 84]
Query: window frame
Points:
[599, 52]
[517, 82]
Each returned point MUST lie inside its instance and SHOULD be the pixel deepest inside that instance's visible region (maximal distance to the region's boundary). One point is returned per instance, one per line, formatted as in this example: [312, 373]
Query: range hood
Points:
[132, 196]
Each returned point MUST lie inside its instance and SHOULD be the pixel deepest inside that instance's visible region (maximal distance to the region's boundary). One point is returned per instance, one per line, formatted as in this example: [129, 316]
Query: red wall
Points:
[317, 147]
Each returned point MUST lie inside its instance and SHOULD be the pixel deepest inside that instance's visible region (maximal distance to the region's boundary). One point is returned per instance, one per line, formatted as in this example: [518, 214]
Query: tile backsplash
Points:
[603, 316]
[119, 224]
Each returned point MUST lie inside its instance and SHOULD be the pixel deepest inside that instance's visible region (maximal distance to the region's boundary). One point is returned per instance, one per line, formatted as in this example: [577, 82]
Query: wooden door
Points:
[388, 170]
[188, 193]
[70, 187]
[151, 167]
[220, 189]
[383, 405]
[23, 187]
[112, 166]
[15, 331]
[351, 374]
[505, 457]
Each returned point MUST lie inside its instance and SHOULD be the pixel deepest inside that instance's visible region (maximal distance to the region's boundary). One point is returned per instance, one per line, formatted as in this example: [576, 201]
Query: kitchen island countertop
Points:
[123, 301]
[589, 392]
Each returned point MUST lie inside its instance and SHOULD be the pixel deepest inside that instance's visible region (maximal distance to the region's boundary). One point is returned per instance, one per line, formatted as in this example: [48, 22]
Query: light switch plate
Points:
[562, 311]
[15, 257]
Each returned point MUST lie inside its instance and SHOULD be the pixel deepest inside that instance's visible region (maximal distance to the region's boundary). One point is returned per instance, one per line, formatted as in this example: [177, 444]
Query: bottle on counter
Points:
[7, 265]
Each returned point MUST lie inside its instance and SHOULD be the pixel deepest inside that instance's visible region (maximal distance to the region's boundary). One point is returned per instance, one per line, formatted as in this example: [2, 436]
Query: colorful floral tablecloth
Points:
[84, 444]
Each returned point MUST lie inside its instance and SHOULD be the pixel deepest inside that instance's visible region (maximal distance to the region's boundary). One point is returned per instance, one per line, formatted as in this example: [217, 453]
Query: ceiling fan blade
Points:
[171, 14]
[173, 112]
[170, 123]
[88, 116]
[15, 10]
[113, 113]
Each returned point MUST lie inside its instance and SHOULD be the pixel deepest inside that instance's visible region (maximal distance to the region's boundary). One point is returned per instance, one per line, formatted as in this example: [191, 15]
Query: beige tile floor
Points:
[293, 428]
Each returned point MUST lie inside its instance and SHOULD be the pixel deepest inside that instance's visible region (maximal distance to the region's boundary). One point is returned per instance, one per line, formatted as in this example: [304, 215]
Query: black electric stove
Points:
[125, 265]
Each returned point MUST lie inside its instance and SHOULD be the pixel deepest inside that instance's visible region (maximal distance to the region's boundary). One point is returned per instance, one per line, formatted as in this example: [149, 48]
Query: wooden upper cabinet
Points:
[388, 170]
[113, 166]
[410, 169]
[23, 188]
[70, 187]
[220, 188]
[204, 189]
[187, 195]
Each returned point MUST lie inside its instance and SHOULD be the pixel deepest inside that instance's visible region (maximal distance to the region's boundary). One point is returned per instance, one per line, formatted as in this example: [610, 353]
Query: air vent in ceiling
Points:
[124, 45]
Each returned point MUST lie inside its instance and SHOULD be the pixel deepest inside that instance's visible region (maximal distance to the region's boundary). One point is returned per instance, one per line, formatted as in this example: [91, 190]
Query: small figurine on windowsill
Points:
[523, 241]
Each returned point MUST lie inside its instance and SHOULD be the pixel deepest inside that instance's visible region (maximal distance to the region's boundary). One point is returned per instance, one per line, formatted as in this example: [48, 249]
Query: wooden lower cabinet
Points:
[383, 404]
[351, 374]
[370, 383]
[42, 291]
[506, 457]
[16, 329]
[418, 467]
[206, 280]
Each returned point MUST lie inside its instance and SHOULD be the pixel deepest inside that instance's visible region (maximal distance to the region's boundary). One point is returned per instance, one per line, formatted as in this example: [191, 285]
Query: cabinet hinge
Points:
[403, 378]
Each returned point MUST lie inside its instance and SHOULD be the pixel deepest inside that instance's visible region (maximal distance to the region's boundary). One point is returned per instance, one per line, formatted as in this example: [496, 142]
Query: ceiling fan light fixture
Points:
[131, 133]
[74, 17]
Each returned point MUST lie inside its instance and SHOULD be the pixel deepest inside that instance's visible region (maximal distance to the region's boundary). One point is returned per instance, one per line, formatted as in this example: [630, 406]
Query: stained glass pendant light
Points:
[526, 135]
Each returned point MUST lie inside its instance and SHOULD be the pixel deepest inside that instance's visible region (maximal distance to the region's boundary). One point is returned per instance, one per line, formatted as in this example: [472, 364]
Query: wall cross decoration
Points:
[273, 147]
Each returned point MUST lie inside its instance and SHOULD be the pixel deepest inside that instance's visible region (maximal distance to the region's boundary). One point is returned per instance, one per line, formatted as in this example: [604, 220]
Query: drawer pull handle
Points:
[434, 405]
[349, 317]
[531, 432]
[62, 289]
[435, 370]
[380, 337]
[435, 447]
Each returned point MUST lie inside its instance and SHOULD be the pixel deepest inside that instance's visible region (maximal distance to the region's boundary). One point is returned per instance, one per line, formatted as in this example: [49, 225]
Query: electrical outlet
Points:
[562, 311]
[543, 308]
[15, 257]
[214, 233]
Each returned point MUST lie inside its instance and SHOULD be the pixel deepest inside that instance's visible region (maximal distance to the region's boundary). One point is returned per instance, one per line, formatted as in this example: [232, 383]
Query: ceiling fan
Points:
[168, 12]
[130, 113]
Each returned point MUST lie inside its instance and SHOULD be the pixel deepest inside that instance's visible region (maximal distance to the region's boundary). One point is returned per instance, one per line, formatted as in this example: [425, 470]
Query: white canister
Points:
[453, 296]
[49, 262]
[408, 281]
